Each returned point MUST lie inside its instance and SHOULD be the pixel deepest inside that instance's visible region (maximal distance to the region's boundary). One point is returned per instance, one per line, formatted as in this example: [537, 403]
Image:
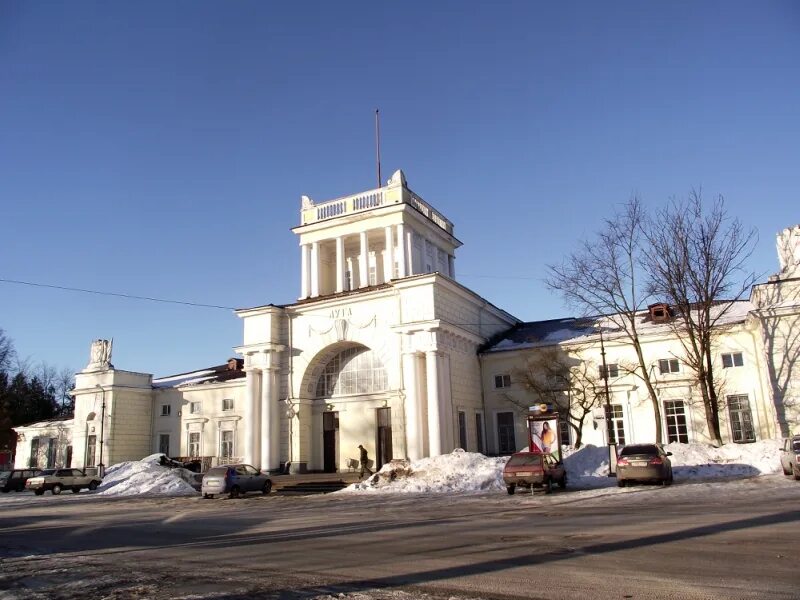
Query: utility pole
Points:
[612, 448]
[101, 467]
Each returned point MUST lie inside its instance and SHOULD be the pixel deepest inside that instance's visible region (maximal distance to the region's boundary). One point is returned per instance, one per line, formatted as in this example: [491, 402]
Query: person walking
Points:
[364, 461]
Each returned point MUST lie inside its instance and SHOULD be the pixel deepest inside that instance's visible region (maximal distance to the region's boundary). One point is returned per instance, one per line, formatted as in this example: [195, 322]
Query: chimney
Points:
[659, 312]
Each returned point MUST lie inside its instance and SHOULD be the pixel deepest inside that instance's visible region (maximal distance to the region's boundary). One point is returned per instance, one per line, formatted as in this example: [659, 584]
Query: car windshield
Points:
[796, 445]
[520, 460]
[219, 471]
[639, 449]
[5, 475]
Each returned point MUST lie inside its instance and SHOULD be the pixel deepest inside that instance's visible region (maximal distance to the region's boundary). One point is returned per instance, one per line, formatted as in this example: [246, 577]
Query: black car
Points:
[15, 480]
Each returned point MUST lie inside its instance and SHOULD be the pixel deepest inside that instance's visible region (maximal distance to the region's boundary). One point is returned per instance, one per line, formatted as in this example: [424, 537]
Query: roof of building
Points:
[233, 369]
[583, 330]
[66, 421]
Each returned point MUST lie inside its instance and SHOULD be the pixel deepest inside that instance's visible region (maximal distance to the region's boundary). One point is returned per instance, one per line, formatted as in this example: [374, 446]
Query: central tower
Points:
[371, 238]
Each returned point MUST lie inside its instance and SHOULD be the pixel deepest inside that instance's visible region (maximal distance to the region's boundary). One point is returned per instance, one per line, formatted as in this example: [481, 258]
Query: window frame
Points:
[669, 363]
[611, 368]
[504, 380]
[732, 356]
[228, 404]
[166, 410]
[681, 430]
[195, 407]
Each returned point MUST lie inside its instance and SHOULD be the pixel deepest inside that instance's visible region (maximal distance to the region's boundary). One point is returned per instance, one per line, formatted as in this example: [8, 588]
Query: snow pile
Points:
[458, 471]
[146, 476]
[586, 468]
[731, 460]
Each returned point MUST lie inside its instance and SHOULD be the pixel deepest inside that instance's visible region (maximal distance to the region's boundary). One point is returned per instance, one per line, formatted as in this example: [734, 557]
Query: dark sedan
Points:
[644, 463]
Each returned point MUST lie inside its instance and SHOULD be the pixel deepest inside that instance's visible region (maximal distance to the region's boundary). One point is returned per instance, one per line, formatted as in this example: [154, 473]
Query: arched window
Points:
[353, 371]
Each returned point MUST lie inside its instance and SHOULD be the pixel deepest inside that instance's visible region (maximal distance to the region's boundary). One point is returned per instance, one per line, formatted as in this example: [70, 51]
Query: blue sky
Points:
[161, 149]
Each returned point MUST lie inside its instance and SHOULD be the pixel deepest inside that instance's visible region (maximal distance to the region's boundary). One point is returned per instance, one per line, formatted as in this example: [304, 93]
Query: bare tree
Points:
[554, 376]
[696, 262]
[7, 353]
[604, 277]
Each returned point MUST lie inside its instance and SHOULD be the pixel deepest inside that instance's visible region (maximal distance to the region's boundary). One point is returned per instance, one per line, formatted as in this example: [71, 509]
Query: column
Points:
[451, 264]
[434, 422]
[446, 403]
[363, 262]
[249, 426]
[409, 252]
[339, 264]
[388, 255]
[270, 420]
[314, 269]
[401, 250]
[305, 275]
[413, 433]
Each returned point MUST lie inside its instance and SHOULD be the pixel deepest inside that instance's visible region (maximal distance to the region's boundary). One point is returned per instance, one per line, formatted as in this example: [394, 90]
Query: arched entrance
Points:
[351, 377]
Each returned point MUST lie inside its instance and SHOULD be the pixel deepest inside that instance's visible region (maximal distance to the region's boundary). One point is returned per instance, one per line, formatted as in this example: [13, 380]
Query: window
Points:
[227, 404]
[462, 429]
[563, 421]
[33, 461]
[616, 424]
[613, 371]
[226, 444]
[163, 443]
[348, 280]
[357, 370]
[194, 408]
[194, 444]
[506, 442]
[675, 418]
[166, 410]
[502, 381]
[732, 359]
[51, 452]
[91, 445]
[479, 431]
[741, 419]
[373, 275]
[668, 365]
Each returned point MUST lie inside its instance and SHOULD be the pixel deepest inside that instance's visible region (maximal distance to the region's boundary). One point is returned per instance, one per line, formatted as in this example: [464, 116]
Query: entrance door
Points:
[384, 446]
[330, 427]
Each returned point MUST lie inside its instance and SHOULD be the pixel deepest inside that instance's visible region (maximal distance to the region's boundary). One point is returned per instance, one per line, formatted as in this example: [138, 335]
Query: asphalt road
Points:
[736, 540]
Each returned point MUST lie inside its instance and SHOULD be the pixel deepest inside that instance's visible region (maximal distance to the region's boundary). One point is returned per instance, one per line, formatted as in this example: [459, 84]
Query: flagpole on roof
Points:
[378, 144]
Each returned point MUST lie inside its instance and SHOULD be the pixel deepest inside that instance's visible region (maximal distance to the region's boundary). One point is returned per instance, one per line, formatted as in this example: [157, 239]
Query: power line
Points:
[115, 294]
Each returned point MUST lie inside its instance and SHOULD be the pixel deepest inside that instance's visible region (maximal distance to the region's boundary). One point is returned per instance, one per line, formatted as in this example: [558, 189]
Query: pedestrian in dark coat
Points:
[364, 461]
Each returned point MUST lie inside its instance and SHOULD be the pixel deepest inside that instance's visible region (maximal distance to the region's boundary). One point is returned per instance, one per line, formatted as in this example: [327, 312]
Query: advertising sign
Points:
[544, 435]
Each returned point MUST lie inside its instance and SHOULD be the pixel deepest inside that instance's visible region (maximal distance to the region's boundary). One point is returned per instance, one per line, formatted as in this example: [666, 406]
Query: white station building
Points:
[384, 348]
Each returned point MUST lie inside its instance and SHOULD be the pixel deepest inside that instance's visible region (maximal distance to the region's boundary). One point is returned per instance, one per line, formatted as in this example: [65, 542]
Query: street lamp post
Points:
[101, 467]
[612, 449]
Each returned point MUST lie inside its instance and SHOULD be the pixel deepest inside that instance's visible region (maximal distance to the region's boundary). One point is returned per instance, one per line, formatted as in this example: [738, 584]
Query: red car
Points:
[532, 469]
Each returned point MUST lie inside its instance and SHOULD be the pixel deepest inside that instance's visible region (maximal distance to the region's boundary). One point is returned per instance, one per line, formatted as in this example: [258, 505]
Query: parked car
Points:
[645, 463]
[790, 456]
[235, 480]
[533, 469]
[15, 479]
[56, 480]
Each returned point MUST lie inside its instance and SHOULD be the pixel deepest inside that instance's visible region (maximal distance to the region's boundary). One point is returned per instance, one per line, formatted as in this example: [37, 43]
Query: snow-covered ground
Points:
[587, 468]
[465, 472]
[145, 477]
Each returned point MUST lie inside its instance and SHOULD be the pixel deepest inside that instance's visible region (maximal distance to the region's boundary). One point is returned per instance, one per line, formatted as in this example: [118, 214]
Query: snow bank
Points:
[586, 468]
[145, 476]
[456, 472]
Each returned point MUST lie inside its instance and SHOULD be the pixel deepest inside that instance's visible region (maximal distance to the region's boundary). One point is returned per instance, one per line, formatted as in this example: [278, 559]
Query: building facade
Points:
[386, 349]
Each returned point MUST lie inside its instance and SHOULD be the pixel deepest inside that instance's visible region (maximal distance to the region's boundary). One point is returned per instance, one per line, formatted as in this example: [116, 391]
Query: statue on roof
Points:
[100, 355]
[788, 242]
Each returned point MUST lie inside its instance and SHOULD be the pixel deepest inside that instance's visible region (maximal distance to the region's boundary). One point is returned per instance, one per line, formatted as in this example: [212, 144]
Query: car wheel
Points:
[56, 489]
[38, 492]
[76, 490]
[785, 470]
[511, 488]
[562, 483]
[208, 496]
[235, 492]
[797, 475]
[93, 485]
[267, 487]
[548, 486]
[621, 482]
